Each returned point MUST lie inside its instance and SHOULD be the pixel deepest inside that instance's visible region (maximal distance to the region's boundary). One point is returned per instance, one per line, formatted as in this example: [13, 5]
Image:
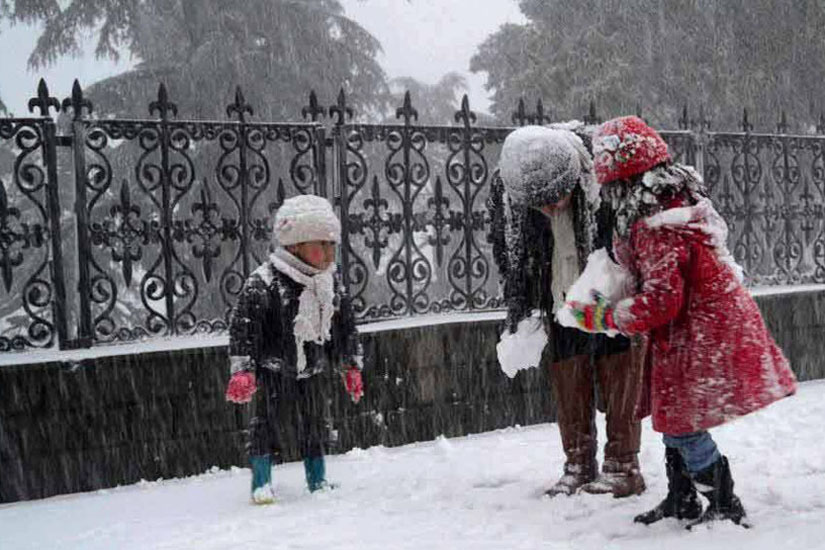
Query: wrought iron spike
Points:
[77, 102]
[440, 204]
[704, 122]
[782, 125]
[746, 125]
[240, 107]
[125, 198]
[639, 112]
[341, 111]
[43, 101]
[162, 105]
[124, 210]
[375, 222]
[280, 193]
[206, 196]
[520, 117]
[684, 121]
[4, 202]
[465, 115]
[407, 111]
[591, 117]
[540, 116]
[314, 111]
[439, 188]
[6, 260]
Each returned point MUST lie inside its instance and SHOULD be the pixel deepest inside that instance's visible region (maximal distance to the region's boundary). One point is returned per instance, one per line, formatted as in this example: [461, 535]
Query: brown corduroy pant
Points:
[619, 379]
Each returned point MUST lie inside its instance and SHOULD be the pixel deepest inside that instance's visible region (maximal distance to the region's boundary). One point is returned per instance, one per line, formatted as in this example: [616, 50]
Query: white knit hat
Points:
[306, 218]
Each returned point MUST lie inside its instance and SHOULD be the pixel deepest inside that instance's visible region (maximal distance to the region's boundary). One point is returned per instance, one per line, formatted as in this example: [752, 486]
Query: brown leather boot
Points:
[620, 381]
[621, 479]
[574, 478]
[572, 385]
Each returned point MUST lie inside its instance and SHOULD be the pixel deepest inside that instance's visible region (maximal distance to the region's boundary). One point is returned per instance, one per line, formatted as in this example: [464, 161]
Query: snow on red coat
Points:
[712, 358]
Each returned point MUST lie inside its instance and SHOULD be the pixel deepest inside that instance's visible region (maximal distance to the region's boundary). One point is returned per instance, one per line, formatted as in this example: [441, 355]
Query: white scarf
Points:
[565, 261]
[316, 303]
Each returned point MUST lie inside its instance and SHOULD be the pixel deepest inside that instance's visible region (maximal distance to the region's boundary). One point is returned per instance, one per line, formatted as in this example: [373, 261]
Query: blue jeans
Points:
[698, 449]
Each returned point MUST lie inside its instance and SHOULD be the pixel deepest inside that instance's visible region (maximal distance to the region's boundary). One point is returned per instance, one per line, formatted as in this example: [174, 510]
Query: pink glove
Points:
[354, 384]
[241, 387]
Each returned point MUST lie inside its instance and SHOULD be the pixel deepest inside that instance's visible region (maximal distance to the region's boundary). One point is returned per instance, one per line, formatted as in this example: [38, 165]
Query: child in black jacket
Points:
[292, 325]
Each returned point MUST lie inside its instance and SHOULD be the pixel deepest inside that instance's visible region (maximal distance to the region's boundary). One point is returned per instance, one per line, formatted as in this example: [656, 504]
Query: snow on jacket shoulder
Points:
[712, 358]
[261, 333]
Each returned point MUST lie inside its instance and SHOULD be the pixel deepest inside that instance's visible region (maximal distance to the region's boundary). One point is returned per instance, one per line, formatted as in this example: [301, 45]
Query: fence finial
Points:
[240, 107]
[684, 120]
[704, 121]
[782, 125]
[541, 118]
[162, 105]
[519, 116]
[341, 111]
[406, 111]
[77, 102]
[465, 115]
[591, 117]
[43, 101]
[747, 127]
[314, 111]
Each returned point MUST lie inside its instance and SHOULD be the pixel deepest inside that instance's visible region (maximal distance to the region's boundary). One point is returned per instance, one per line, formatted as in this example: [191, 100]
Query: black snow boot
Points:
[716, 484]
[681, 501]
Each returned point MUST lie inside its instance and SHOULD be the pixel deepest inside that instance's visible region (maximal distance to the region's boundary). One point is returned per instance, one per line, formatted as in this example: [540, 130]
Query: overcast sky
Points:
[421, 38]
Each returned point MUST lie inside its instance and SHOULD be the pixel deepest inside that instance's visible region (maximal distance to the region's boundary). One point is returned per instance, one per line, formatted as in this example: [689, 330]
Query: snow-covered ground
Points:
[481, 491]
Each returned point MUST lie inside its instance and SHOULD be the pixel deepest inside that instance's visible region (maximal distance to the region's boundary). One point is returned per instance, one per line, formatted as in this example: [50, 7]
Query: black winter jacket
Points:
[261, 334]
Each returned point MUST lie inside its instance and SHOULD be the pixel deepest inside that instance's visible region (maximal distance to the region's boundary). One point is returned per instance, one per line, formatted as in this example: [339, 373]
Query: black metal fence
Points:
[113, 230]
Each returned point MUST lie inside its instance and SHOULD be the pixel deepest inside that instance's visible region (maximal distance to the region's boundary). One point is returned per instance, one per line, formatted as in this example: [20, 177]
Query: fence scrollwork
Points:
[172, 215]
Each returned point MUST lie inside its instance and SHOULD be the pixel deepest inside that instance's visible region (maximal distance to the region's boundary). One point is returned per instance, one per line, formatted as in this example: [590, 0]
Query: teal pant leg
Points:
[315, 470]
[261, 471]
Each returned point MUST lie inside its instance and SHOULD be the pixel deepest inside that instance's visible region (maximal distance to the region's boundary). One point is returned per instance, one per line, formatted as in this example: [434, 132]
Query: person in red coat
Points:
[711, 357]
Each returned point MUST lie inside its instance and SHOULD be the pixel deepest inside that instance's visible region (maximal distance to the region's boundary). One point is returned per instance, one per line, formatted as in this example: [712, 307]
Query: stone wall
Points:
[69, 426]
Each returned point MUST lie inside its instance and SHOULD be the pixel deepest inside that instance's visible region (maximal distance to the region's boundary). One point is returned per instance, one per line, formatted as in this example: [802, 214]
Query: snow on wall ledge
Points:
[79, 421]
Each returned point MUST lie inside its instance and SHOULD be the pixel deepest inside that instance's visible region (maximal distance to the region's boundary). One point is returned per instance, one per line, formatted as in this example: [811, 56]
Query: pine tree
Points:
[765, 55]
[276, 50]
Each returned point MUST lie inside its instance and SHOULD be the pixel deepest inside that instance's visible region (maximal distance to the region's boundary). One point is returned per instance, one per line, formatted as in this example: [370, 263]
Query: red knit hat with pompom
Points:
[624, 147]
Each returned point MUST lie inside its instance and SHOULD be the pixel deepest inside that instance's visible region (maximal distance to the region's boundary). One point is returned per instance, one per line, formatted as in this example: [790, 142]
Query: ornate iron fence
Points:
[113, 230]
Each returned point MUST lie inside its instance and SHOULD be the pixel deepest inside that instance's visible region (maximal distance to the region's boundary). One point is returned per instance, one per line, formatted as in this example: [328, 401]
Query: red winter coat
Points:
[712, 358]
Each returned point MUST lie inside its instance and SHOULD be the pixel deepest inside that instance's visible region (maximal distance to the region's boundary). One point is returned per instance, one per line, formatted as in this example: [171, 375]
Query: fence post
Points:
[466, 117]
[340, 111]
[44, 102]
[314, 111]
[164, 107]
[704, 138]
[320, 153]
[241, 108]
[76, 102]
[408, 113]
[58, 276]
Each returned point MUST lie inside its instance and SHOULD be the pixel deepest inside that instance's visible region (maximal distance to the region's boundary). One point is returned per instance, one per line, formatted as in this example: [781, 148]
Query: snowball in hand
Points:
[601, 276]
[522, 350]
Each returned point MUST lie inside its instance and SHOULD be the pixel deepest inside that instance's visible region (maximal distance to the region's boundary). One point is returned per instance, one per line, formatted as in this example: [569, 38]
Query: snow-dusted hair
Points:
[650, 192]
